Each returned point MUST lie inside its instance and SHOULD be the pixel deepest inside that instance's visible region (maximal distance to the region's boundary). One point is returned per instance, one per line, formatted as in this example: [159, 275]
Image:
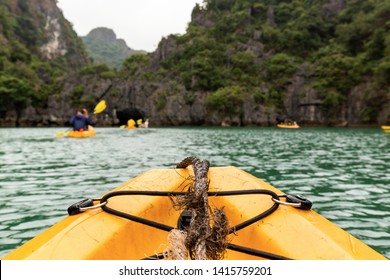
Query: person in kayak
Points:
[85, 113]
[80, 121]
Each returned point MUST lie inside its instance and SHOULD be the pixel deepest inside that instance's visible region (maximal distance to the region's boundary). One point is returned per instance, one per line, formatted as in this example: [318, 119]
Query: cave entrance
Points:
[127, 114]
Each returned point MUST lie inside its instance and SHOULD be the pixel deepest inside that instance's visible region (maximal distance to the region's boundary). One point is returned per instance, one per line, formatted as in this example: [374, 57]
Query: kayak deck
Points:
[287, 126]
[82, 134]
[289, 232]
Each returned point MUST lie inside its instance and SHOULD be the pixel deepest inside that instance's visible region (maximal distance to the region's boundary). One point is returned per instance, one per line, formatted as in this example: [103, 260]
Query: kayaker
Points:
[80, 122]
[145, 124]
[85, 112]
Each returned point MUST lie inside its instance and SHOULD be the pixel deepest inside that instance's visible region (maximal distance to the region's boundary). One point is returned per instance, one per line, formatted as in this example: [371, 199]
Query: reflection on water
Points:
[344, 172]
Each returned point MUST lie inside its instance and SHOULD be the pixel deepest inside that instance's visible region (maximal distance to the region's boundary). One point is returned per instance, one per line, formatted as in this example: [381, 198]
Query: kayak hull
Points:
[287, 126]
[82, 134]
[98, 235]
[386, 128]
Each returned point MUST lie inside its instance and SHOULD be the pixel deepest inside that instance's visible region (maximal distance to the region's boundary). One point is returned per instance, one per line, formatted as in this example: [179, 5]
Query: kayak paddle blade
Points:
[100, 107]
[60, 134]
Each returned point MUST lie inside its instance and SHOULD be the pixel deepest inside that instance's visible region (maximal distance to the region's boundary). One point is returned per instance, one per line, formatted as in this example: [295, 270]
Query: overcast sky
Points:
[141, 23]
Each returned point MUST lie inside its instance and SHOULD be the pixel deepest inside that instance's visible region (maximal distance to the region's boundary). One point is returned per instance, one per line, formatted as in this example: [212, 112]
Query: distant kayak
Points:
[82, 134]
[386, 128]
[281, 125]
[131, 124]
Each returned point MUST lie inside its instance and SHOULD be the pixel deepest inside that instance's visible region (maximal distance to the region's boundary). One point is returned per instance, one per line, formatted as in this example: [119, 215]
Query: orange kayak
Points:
[386, 128]
[136, 221]
[82, 134]
[287, 126]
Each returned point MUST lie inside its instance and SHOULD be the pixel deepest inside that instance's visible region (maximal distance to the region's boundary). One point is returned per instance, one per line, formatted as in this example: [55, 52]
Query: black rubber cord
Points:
[234, 247]
[255, 252]
[164, 227]
[210, 194]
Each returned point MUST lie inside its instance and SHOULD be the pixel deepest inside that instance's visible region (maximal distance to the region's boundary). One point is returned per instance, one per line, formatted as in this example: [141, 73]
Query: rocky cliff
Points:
[37, 45]
[244, 63]
[153, 86]
[40, 26]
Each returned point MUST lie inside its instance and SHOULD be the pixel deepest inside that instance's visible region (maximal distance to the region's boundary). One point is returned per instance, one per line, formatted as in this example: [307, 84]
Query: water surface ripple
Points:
[344, 172]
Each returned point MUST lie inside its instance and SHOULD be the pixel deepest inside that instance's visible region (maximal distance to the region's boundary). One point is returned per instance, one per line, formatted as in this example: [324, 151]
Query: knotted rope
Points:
[202, 241]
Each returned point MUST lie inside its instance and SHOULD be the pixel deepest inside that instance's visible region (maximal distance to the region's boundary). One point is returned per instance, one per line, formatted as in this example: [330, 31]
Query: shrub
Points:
[227, 101]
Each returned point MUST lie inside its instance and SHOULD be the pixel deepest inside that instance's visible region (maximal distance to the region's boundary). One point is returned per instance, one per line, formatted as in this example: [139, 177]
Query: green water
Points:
[344, 172]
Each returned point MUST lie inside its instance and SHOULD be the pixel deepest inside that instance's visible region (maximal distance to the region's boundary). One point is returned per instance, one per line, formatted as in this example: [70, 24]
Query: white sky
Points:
[141, 23]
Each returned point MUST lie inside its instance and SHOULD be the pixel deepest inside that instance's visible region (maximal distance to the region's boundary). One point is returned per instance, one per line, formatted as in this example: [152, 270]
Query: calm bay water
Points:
[344, 172]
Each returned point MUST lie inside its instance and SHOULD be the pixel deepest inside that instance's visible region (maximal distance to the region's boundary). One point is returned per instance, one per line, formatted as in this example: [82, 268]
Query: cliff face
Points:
[234, 67]
[169, 101]
[42, 28]
[37, 44]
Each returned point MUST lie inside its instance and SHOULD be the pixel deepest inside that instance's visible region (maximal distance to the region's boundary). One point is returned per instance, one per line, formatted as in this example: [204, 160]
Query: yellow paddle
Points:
[100, 107]
[61, 134]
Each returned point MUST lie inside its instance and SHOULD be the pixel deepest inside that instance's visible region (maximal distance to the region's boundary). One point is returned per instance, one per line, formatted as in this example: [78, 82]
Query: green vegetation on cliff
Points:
[104, 47]
[260, 45]
[37, 45]
[246, 59]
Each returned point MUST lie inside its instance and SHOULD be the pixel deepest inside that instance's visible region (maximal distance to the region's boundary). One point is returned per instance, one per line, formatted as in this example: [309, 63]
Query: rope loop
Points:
[200, 237]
